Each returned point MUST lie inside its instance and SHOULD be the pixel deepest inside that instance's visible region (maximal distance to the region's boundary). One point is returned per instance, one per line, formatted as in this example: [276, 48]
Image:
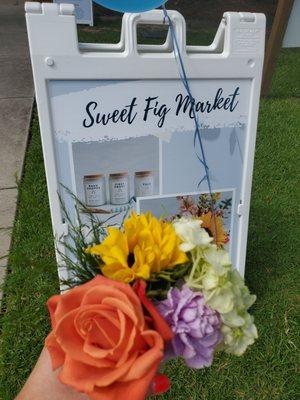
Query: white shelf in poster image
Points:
[108, 209]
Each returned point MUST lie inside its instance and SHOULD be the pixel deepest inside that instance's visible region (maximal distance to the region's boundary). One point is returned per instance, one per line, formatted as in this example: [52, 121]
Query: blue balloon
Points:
[131, 5]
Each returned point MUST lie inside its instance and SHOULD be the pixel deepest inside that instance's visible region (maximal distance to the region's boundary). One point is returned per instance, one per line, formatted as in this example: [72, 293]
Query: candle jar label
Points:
[95, 190]
[119, 188]
[144, 183]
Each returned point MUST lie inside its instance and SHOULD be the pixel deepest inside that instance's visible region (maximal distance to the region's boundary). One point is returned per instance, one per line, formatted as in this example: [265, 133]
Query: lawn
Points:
[268, 370]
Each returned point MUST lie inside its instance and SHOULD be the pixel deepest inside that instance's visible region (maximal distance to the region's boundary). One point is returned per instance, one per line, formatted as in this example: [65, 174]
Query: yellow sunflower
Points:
[146, 245]
[214, 225]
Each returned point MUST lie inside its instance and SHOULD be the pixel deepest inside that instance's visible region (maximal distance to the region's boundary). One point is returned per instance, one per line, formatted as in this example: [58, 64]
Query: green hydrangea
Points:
[237, 339]
[225, 291]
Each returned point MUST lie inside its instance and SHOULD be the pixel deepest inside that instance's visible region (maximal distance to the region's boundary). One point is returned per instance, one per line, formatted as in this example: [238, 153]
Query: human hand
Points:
[43, 384]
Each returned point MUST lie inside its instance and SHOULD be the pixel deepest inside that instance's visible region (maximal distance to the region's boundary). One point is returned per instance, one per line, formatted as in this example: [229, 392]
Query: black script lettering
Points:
[158, 110]
[124, 115]
[130, 117]
[201, 106]
[90, 105]
[227, 103]
[218, 102]
[184, 103]
[233, 104]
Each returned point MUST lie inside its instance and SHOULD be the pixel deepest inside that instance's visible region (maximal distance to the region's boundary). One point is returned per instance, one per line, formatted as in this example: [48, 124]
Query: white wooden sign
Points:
[83, 10]
[117, 127]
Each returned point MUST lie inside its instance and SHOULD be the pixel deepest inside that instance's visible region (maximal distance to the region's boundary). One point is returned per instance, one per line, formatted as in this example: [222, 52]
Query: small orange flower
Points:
[214, 225]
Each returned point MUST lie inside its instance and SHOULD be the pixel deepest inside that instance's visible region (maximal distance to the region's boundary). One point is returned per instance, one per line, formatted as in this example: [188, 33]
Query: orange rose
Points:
[102, 341]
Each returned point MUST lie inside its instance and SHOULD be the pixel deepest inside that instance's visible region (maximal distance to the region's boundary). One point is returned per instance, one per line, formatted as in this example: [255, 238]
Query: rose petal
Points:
[56, 353]
[52, 306]
[123, 307]
[73, 344]
[131, 390]
[97, 294]
[145, 362]
[84, 378]
[60, 305]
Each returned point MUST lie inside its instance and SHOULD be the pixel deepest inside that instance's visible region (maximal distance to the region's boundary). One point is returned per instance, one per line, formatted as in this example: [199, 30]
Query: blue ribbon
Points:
[197, 135]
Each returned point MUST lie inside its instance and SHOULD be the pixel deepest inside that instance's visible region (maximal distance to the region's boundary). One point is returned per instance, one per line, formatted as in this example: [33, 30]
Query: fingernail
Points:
[161, 384]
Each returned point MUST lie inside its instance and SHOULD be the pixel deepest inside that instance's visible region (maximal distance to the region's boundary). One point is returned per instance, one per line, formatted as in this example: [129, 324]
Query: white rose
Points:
[192, 235]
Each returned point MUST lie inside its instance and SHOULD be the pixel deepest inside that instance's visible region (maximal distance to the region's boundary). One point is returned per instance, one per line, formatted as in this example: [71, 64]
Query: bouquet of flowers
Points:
[161, 289]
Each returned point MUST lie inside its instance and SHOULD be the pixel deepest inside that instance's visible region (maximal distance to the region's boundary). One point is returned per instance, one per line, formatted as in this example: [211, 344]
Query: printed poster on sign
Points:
[129, 145]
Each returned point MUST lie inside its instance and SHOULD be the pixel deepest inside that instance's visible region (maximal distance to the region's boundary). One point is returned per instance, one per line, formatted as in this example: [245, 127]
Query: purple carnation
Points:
[195, 325]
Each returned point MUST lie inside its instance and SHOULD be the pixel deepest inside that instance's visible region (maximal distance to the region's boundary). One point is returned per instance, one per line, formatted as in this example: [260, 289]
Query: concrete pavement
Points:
[16, 99]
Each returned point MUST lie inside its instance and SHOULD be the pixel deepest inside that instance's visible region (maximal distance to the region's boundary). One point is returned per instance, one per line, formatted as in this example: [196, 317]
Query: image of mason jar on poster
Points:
[111, 174]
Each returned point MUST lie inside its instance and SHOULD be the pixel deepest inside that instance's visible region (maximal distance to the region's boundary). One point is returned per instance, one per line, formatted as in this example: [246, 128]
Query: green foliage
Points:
[82, 266]
[160, 283]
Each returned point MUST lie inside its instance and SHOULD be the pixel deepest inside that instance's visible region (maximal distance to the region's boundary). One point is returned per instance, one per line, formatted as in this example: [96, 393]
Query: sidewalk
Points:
[16, 99]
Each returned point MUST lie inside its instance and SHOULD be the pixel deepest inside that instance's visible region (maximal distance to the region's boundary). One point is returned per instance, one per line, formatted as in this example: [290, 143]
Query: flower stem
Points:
[196, 257]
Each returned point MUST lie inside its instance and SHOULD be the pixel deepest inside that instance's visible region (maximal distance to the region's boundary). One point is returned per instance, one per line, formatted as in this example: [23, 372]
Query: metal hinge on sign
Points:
[247, 17]
[240, 209]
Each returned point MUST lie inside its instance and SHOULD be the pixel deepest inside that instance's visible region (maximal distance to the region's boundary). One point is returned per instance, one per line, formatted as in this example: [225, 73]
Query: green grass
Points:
[32, 277]
[268, 370]
[110, 33]
[286, 79]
